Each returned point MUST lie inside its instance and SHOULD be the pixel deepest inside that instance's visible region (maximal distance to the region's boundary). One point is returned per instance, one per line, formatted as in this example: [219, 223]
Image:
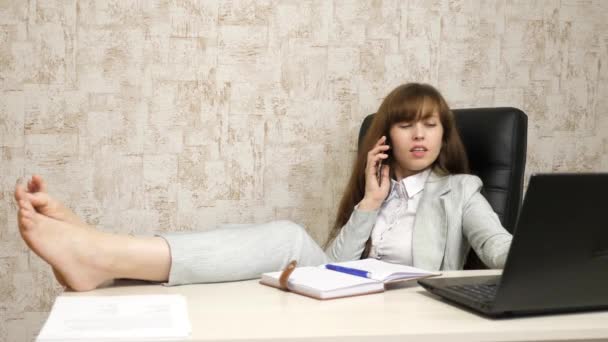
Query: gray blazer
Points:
[452, 217]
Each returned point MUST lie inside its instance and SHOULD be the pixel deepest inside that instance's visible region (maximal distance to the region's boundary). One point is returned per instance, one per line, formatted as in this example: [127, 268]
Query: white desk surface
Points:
[247, 310]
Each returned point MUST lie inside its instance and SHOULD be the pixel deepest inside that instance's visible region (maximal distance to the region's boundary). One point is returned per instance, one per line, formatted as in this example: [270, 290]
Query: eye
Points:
[405, 125]
[430, 124]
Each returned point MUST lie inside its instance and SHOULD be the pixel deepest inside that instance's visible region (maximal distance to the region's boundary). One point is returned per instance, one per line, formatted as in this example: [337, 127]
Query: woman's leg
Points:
[61, 238]
[239, 252]
[83, 258]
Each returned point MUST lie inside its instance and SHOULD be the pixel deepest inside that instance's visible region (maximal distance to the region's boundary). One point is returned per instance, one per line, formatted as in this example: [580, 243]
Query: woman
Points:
[408, 201]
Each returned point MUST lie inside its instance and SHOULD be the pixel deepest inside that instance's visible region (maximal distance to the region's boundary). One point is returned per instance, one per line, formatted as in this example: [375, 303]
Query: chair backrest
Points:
[495, 140]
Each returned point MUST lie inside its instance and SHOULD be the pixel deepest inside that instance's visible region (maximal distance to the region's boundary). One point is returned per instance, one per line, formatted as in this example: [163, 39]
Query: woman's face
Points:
[415, 145]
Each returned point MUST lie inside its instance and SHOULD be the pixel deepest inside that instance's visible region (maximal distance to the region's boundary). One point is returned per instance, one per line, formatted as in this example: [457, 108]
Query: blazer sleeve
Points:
[482, 227]
[350, 242]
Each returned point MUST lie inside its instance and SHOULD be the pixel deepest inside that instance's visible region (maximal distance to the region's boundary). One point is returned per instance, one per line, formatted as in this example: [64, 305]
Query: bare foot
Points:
[43, 203]
[80, 256]
[59, 278]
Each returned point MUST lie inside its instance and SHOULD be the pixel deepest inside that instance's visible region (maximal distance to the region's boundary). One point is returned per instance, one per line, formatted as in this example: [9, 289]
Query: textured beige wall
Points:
[177, 115]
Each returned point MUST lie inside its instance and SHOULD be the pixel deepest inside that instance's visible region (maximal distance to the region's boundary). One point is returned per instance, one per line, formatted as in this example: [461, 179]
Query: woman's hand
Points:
[377, 181]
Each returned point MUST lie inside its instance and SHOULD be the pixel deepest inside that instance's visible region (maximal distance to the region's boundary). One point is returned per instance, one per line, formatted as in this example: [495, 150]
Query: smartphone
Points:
[379, 172]
[384, 161]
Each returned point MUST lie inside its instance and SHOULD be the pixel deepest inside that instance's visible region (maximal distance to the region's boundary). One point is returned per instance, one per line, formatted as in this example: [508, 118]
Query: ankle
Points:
[103, 253]
[138, 257]
[118, 261]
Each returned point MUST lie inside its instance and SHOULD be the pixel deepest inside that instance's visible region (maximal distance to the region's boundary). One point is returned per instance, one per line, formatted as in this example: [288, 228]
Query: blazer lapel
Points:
[430, 224]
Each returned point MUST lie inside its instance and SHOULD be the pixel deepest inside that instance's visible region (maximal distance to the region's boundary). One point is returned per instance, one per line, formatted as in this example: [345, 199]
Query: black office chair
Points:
[495, 140]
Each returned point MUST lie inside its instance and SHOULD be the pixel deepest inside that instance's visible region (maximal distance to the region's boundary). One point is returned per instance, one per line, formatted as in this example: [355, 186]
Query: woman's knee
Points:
[288, 230]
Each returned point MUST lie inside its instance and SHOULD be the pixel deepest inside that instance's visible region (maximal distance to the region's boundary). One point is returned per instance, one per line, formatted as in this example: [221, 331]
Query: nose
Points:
[418, 131]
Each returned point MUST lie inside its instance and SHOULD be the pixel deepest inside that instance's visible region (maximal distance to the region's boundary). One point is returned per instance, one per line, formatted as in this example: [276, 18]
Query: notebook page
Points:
[325, 280]
[111, 318]
[320, 279]
[384, 271]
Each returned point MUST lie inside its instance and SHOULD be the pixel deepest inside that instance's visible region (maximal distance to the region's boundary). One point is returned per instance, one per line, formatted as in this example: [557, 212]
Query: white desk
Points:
[245, 311]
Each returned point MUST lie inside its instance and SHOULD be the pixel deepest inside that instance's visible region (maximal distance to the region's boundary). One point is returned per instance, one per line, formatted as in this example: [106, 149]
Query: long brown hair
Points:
[404, 103]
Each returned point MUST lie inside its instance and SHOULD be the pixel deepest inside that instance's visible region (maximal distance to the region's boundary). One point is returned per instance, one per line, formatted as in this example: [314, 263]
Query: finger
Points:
[379, 150]
[374, 174]
[380, 141]
[385, 174]
[374, 163]
[383, 177]
[371, 178]
[376, 159]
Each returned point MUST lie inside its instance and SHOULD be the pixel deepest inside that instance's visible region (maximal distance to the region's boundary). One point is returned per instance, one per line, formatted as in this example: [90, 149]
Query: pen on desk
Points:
[348, 270]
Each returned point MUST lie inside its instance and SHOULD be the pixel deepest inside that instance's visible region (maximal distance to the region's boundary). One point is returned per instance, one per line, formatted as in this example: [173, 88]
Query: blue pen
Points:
[348, 270]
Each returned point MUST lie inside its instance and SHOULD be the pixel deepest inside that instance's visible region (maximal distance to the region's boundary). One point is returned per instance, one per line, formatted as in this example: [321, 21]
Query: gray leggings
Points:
[238, 252]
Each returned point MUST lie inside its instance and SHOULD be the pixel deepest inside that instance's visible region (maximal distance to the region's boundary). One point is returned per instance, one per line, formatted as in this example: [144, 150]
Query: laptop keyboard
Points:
[476, 292]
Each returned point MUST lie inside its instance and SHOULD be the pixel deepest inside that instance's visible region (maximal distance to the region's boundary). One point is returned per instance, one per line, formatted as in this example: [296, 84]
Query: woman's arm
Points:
[482, 227]
[350, 242]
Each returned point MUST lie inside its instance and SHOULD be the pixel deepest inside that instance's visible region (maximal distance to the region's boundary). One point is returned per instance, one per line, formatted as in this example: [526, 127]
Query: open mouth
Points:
[419, 151]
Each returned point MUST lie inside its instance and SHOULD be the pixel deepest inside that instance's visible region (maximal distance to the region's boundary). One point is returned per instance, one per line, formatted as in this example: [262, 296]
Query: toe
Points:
[19, 192]
[25, 223]
[25, 213]
[31, 187]
[39, 182]
[26, 205]
[38, 199]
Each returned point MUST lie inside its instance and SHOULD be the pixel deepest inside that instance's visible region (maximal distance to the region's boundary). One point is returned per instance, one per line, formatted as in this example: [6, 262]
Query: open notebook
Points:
[322, 283]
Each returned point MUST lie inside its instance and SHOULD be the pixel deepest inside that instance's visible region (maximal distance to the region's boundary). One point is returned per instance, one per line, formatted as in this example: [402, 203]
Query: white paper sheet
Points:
[117, 318]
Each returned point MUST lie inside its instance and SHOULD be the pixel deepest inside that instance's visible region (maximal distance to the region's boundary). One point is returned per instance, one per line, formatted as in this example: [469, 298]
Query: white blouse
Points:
[392, 232]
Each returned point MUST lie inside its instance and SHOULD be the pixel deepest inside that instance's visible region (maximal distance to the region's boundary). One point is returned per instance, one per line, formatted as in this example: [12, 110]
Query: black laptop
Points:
[558, 260]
